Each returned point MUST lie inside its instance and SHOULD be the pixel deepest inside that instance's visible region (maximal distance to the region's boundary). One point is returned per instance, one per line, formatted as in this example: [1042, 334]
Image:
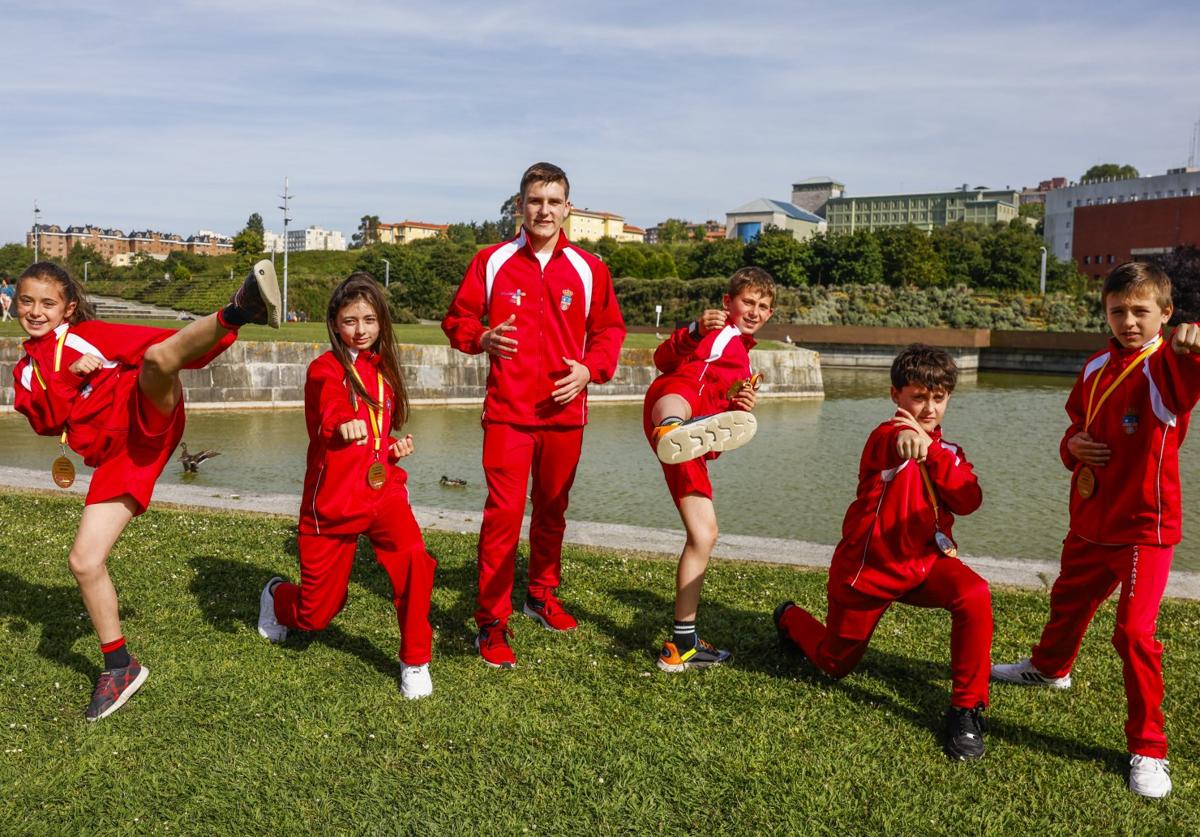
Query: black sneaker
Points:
[964, 733]
[114, 688]
[702, 655]
[257, 300]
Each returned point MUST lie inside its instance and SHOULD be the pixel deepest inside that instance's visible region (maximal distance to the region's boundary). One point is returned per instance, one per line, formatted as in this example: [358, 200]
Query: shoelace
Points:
[970, 721]
[1160, 764]
[491, 636]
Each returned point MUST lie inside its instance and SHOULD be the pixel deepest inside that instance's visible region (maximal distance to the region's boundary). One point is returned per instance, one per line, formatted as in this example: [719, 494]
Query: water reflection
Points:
[794, 481]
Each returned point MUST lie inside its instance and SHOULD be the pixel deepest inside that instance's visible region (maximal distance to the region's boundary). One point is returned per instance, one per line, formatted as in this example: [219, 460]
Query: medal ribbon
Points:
[932, 495]
[1092, 410]
[376, 414]
[58, 349]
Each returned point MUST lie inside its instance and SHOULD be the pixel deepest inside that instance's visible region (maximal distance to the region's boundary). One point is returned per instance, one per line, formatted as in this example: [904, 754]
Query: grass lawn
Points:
[232, 735]
[424, 334]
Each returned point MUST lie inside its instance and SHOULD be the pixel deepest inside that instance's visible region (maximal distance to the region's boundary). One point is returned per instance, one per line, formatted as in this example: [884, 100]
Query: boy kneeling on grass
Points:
[1129, 414]
[699, 406]
[897, 546]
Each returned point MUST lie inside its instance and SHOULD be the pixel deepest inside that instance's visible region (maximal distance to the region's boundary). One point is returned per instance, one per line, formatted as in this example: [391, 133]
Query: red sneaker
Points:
[114, 688]
[492, 642]
[550, 613]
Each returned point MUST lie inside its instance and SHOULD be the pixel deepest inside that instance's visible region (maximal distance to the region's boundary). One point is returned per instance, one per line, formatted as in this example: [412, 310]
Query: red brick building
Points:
[55, 243]
[1105, 235]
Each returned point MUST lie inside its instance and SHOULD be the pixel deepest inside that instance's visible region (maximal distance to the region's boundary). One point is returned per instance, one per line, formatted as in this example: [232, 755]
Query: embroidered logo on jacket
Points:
[564, 301]
[515, 296]
[1129, 422]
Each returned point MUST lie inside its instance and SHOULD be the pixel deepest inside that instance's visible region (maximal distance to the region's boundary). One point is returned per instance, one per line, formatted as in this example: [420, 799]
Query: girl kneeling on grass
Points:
[111, 392]
[353, 486]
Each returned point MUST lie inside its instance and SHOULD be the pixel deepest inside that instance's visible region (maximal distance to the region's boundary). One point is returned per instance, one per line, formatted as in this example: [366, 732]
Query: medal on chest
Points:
[61, 469]
[377, 470]
[376, 475]
[944, 543]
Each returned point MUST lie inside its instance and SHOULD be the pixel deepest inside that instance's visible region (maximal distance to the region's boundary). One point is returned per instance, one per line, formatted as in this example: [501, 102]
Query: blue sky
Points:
[182, 116]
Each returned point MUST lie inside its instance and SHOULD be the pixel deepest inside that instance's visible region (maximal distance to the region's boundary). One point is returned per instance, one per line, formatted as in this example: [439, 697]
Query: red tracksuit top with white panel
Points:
[84, 407]
[337, 499]
[1137, 497]
[567, 310]
[887, 546]
[715, 363]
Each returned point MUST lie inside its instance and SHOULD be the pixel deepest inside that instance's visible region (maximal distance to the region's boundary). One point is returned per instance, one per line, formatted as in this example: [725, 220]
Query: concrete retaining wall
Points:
[270, 374]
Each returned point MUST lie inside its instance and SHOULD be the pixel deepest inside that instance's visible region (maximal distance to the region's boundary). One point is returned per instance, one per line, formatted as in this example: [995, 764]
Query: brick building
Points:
[1105, 235]
[116, 247]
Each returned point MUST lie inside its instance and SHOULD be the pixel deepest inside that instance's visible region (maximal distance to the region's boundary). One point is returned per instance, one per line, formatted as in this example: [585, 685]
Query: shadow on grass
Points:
[227, 591]
[753, 639]
[57, 610]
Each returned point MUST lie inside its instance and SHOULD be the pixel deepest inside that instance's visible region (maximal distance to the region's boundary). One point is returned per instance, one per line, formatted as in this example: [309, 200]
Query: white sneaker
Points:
[1024, 674]
[268, 626]
[415, 682]
[696, 437]
[1149, 776]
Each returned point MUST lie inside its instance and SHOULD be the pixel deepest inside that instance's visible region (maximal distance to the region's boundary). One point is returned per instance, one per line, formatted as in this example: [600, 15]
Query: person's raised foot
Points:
[694, 438]
[257, 301]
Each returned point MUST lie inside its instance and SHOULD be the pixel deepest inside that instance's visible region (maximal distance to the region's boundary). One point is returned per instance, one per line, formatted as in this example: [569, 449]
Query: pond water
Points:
[794, 480]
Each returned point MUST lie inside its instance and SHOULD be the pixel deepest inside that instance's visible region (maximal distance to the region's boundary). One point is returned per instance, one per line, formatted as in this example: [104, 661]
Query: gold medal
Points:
[1085, 483]
[376, 475]
[944, 544]
[63, 472]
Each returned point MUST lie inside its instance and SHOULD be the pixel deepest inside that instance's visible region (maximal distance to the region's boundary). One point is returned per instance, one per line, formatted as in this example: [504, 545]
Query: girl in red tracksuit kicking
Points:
[111, 393]
[898, 546]
[353, 396]
[1129, 414]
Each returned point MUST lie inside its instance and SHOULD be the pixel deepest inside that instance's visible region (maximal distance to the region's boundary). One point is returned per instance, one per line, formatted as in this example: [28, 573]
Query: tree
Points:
[255, 222]
[368, 232]
[720, 257]
[508, 216]
[1183, 266]
[778, 252]
[672, 230]
[846, 259]
[627, 261]
[1110, 170]
[14, 258]
[462, 233]
[909, 258]
[98, 267]
[248, 244]
[488, 233]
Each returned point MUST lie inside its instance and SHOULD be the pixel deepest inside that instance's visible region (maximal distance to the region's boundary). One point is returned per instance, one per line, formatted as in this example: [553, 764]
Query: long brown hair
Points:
[356, 286]
[71, 290]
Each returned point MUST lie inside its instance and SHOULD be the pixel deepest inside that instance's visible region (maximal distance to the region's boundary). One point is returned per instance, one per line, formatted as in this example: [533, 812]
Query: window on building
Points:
[1110, 258]
[1087, 259]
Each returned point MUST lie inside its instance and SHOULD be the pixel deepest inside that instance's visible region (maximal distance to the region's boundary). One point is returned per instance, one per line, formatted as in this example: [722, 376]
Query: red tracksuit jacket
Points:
[85, 407]
[887, 546]
[337, 499]
[567, 310]
[1137, 498]
[715, 363]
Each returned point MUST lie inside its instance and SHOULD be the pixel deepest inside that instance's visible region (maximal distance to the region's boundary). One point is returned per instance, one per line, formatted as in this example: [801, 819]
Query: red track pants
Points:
[510, 455]
[1088, 575]
[325, 562]
[950, 585]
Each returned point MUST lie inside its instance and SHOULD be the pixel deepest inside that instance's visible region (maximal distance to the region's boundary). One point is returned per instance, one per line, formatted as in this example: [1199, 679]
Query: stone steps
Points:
[111, 307]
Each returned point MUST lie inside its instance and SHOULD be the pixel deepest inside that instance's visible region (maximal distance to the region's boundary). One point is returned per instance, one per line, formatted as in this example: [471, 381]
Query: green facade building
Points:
[923, 210]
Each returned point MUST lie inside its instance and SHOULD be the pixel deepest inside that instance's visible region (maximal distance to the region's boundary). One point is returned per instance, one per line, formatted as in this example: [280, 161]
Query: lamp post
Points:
[1042, 283]
[36, 212]
[387, 272]
[85, 267]
[286, 200]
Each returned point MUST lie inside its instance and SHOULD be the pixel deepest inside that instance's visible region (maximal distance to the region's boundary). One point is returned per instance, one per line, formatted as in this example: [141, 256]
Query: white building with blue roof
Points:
[747, 221]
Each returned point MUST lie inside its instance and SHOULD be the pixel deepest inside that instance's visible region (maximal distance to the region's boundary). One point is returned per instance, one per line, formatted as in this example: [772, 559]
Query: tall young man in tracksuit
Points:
[552, 327]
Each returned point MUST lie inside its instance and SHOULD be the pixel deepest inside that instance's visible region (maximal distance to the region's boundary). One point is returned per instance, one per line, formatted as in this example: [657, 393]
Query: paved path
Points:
[1005, 571]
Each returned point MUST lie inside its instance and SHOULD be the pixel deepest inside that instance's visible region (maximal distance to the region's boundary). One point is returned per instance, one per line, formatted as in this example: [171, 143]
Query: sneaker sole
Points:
[722, 432]
[1032, 681]
[280, 635]
[679, 668]
[268, 287]
[958, 755]
[125, 696]
[533, 614]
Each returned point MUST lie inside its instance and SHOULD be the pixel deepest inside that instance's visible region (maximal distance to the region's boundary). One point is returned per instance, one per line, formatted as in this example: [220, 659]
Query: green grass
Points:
[232, 735]
[423, 334]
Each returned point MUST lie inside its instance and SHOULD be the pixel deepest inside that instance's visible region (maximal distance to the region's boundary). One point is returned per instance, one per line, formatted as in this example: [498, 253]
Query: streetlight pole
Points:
[85, 267]
[387, 272]
[1043, 274]
[286, 201]
[36, 231]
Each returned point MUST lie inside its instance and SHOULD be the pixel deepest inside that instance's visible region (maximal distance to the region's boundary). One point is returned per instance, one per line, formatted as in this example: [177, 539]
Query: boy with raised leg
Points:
[898, 546]
[1129, 412]
[699, 406]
